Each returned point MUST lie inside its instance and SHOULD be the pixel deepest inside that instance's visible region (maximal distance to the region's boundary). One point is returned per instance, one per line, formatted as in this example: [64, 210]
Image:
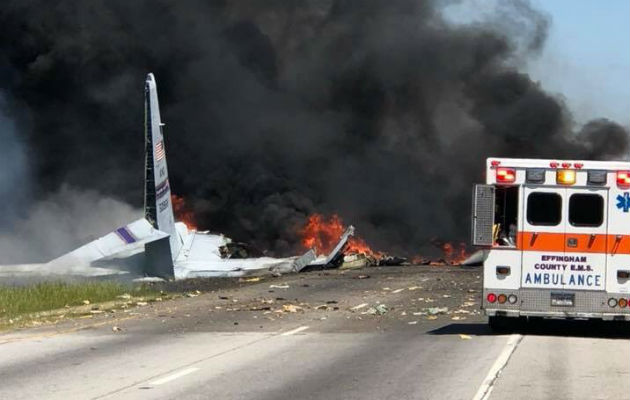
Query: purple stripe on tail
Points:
[161, 189]
[125, 235]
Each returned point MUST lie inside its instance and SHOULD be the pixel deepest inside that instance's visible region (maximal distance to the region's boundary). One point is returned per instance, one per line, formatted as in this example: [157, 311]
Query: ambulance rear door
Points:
[543, 237]
[586, 239]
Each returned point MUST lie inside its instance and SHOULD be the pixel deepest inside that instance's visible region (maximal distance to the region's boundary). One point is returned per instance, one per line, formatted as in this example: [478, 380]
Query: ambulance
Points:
[556, 236]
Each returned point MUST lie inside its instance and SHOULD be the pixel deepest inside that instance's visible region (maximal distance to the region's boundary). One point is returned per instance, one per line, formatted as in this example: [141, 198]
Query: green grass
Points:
[17, 301]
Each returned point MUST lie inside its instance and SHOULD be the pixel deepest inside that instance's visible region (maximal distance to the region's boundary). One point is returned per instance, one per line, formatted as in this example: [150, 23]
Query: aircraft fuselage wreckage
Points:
[157, 245]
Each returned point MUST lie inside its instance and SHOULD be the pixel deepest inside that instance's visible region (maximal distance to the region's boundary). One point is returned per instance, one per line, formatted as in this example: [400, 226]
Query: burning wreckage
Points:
[157, 246]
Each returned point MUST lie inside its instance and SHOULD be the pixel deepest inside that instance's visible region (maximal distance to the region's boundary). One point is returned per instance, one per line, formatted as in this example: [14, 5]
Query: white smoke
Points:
[63, 221]
[37, 231]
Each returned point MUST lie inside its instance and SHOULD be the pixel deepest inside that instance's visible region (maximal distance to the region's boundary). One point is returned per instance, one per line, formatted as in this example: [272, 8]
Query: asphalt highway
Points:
[317, 336]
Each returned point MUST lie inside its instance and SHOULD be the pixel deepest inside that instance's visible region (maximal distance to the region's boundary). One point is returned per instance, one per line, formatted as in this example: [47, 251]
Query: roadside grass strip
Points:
[23, 302]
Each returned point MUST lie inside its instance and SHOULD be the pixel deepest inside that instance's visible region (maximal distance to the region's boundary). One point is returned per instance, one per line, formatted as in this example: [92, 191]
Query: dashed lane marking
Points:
[294, 331]
[174, 376]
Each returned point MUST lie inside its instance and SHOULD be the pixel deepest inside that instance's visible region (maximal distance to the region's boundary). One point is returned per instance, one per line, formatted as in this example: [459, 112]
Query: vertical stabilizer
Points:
[158, 208]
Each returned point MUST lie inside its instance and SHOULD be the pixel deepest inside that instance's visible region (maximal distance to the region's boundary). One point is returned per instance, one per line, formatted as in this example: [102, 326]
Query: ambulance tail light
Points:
[621, 274]
[491, 297]
[623, 178]
[612, 302]
[512, 299]
[622, 303]
[502, 299]
[506, 175]
[565, 176]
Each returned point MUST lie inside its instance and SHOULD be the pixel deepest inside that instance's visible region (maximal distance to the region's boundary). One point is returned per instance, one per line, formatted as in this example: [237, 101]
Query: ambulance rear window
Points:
[544, 209]
[586, 209]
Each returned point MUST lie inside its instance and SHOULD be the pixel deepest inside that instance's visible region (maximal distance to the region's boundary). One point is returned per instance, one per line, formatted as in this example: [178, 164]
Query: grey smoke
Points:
[380, 111]
[62, 221]
[14, 171]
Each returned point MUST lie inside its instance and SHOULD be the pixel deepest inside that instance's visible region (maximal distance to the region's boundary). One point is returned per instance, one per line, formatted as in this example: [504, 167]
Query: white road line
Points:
[174, 376]
[294, 331]
[486, 387]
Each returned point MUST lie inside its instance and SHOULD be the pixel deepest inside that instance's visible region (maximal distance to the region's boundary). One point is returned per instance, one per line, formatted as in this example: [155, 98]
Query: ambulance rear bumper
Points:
[550, 314]
[538, 303]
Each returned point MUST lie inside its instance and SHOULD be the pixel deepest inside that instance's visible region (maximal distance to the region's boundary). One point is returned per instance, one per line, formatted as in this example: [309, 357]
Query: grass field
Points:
[16, 301]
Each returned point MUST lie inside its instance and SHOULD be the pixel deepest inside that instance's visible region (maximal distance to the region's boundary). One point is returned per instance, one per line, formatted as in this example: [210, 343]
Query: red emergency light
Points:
[623, 178]
[506, 175]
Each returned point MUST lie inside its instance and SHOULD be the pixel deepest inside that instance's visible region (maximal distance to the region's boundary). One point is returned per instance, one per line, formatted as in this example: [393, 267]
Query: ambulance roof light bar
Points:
[565, 176]
[596, 177]
[506, 175]
[623, 178]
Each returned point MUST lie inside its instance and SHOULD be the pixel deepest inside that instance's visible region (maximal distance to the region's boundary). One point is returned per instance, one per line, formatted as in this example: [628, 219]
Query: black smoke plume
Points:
[380, 111]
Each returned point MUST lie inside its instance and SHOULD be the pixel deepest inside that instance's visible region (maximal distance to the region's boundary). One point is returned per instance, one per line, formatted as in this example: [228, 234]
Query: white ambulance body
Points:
[558, 238]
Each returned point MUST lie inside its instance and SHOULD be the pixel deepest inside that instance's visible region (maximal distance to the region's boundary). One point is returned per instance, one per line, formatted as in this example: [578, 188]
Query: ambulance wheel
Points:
[499, 323]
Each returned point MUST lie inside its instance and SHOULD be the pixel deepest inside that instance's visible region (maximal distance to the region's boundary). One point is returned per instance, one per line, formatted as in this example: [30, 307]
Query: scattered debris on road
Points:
[379, 309]
[278, 286]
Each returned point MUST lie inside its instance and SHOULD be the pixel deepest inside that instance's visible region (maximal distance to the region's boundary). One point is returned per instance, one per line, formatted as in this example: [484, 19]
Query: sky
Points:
[586, 58]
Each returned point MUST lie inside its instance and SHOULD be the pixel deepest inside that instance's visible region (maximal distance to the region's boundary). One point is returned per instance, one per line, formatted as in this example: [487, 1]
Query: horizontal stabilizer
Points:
[124, 241]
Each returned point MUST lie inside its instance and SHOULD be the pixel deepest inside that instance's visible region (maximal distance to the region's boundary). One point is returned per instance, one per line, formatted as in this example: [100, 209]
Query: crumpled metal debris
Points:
[251, 279]
[278, 286]
[291, 308]
[379, 309]
[437, 310]
[392, 261]
[358, 260]
[239, 250]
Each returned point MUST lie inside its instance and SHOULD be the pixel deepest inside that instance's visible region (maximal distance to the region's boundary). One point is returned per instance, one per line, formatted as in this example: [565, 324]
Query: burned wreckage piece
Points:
[392, 261]
[335, 258]
[158, 246]
[239, 250]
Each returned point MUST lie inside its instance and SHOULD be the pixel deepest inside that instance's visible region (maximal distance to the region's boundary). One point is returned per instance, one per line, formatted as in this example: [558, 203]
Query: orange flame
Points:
[454, 255]
[451, 254]
[323, 235]
[182, 212]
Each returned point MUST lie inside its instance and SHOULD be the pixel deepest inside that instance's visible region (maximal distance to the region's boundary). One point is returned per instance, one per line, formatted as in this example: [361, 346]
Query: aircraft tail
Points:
[158, 207]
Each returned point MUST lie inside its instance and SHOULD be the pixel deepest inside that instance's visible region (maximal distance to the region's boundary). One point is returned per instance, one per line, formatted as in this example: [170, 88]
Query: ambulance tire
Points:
[501, 324]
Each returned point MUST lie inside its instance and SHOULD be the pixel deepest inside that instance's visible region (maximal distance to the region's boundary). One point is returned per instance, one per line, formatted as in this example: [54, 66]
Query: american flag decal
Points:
[159, 150]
